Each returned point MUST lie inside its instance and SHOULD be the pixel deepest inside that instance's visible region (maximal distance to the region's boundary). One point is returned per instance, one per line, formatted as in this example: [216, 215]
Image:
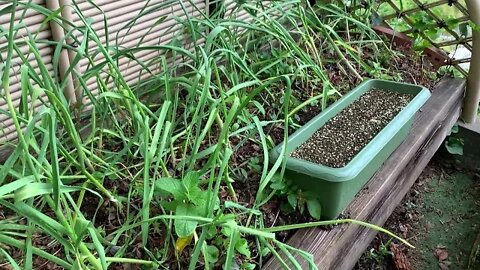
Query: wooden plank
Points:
[342, 246]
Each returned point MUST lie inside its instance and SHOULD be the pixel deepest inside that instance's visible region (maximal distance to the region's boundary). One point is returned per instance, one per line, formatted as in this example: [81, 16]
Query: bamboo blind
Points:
[127, 23]
[131, 27]
[27, 21]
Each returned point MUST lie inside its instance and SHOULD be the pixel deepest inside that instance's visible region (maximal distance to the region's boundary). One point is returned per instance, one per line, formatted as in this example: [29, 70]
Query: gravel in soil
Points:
[343, 136]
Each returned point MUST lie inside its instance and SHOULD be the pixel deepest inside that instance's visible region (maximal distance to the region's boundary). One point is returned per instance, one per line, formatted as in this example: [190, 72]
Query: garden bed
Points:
[340, 247]
[371, 139]
[173, 174]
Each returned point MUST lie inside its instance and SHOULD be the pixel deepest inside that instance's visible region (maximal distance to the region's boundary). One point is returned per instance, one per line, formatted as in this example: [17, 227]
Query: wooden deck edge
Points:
[342, 246]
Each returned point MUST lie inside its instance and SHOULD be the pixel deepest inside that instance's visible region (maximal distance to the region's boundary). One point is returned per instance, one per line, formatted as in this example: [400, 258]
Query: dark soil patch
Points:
[439, 216]
[343, 136]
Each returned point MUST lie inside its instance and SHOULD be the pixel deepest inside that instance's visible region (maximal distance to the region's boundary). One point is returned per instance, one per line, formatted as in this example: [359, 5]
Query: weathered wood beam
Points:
[342, 246]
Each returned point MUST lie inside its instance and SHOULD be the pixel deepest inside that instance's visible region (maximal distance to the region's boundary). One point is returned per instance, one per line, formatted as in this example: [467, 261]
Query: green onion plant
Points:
[144, 167]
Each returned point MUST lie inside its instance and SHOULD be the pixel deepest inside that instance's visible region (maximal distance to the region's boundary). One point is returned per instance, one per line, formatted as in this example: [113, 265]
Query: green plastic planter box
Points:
[336, 187]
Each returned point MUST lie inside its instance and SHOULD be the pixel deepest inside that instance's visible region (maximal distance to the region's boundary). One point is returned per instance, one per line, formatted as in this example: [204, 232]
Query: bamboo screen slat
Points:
[128, 24]
[131, 24]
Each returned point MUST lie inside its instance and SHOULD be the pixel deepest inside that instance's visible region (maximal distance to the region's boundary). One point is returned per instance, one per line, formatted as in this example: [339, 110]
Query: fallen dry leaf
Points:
[399, 258]
[441, 254]
[403, 229]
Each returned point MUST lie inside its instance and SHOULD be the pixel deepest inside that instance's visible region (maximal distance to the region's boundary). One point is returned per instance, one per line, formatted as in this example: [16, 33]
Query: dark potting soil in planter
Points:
[343, 136]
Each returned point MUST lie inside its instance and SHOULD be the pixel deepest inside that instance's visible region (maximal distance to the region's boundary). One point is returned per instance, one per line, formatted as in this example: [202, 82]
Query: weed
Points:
[454, 144]
[296, 198]
[381, 254]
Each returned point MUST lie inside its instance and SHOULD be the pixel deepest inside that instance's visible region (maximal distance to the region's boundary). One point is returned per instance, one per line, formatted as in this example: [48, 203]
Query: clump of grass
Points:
[140, 170]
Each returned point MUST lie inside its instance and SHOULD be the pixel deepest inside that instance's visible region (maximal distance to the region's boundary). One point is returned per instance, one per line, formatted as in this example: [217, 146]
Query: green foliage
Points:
[424, 25]
[379, 72]
[135, 173]
[188, 200]
[297, 199]
[212, 254]
[381, 254]
[453, 144]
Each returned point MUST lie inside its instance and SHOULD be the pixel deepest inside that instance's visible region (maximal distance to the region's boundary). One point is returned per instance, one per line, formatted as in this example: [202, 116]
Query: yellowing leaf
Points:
[181, 243]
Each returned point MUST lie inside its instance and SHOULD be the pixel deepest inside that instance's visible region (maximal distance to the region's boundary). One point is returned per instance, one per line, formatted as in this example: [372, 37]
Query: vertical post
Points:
[58, 35]
[472, 95]
[68, 16]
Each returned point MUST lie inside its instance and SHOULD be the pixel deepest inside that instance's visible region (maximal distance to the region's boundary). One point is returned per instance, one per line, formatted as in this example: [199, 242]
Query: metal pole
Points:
[472, 95]
[58, 35]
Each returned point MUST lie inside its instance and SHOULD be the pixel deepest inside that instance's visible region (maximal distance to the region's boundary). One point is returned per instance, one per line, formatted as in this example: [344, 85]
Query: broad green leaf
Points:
[248, 266]
[242, 247]
[277, 185]
[453, 130]
[172, 186]
[170, 206]
[463, 29]
[185, 228]
[190, 184]
[201, 201]
[314, 208]
[292, 199]
[211, 232]
[454, 146]
[227, 231]
[212, 254]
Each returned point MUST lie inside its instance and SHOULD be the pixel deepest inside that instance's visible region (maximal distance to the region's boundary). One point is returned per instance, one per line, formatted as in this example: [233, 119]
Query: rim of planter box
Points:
[361, 160]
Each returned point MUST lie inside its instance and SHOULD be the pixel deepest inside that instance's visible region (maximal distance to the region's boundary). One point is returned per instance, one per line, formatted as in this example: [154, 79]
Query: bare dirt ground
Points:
[440, 216]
